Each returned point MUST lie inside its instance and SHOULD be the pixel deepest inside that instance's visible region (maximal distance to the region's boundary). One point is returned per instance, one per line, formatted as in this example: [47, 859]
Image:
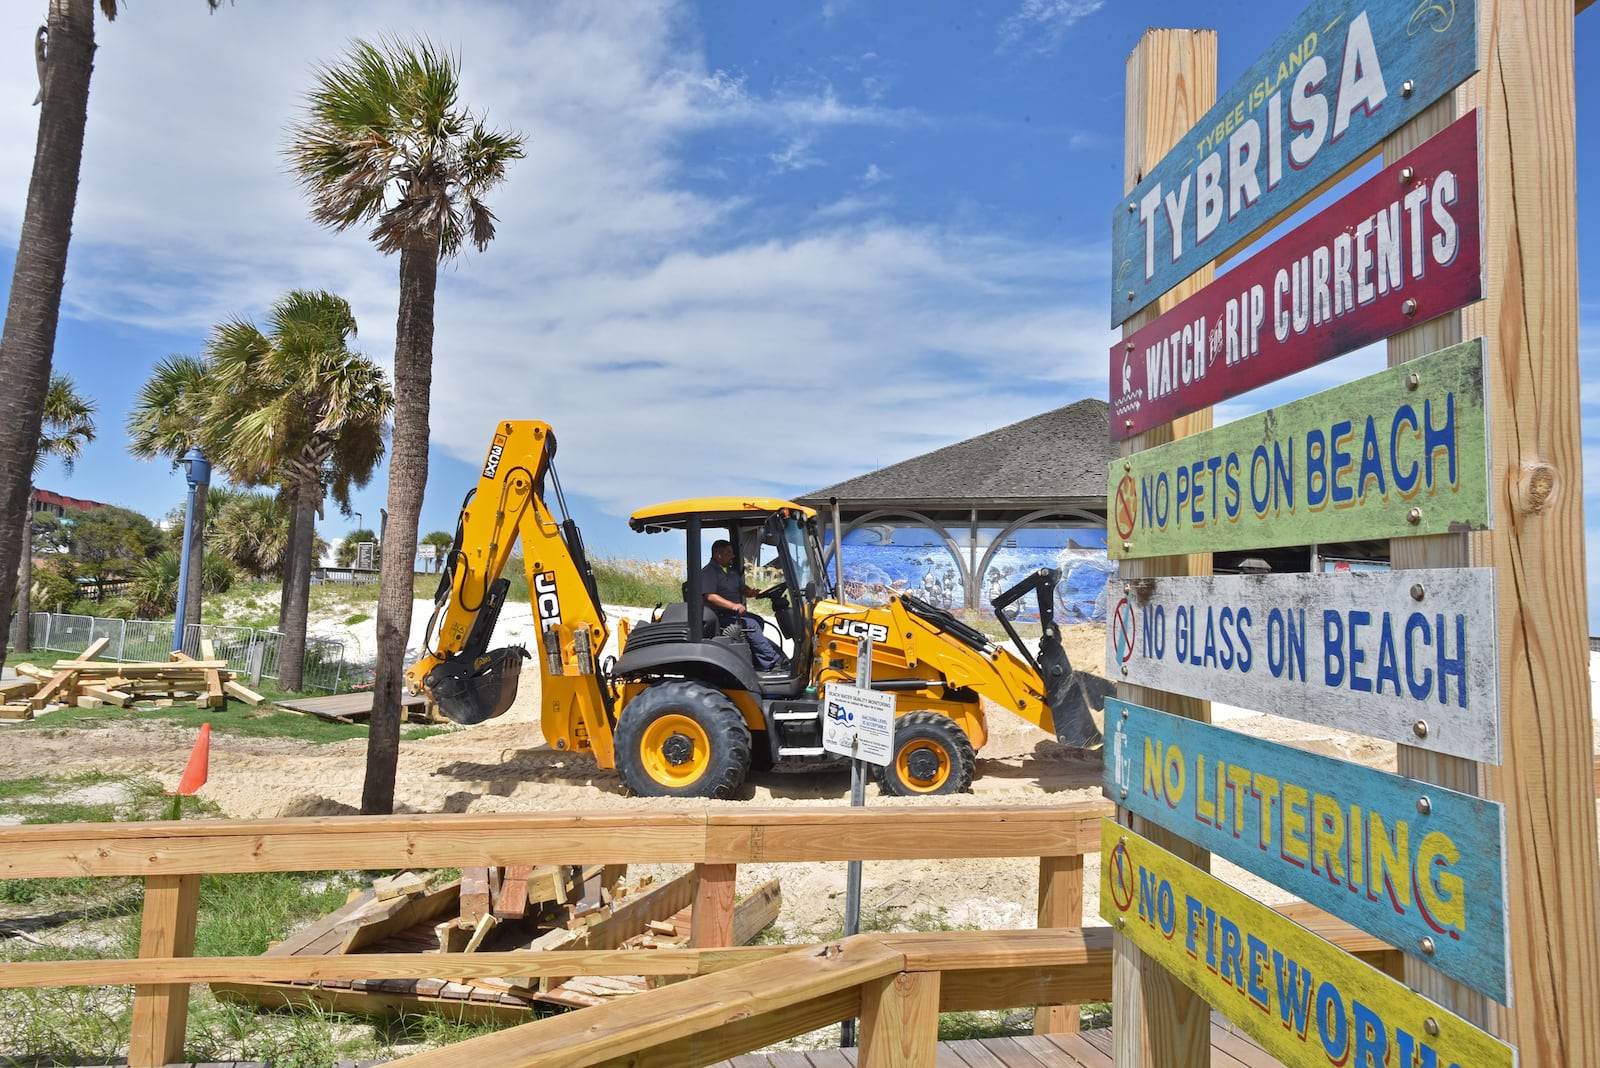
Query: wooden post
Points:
[1171, 82]
[712, 922]
[160, 1012]
[900, 1021]
[1060, 905]
[1530, 316]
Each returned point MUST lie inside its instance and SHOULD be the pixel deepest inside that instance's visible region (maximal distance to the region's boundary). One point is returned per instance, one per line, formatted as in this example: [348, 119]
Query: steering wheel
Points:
[772, 591]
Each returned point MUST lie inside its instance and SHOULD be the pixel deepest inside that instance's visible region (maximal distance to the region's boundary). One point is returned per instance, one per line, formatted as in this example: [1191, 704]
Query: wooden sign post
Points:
[1544, 1009]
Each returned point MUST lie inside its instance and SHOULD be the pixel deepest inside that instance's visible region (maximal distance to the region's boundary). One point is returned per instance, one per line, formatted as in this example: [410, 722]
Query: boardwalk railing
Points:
[742, 998]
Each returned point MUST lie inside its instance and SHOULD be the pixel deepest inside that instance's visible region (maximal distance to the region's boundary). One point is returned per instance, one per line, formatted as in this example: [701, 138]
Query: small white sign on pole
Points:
[858, 723]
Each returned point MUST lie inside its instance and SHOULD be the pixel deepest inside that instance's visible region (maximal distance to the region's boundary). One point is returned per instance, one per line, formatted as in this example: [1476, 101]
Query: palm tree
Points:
[384, 141]
[440, 542]
[67, 426]
[167, 420]
[252, 530]
[295, 408]
[34, 308]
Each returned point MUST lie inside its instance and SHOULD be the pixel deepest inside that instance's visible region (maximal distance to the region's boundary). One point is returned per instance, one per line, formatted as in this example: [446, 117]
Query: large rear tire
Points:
[682, 739]
[932, 755]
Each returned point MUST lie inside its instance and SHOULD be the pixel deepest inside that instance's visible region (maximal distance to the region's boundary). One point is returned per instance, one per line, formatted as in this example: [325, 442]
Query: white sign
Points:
[1409, 656]
[858, 723]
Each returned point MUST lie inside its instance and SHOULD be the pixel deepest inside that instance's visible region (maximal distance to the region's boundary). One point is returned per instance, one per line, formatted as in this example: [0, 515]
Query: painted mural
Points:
[881, 561]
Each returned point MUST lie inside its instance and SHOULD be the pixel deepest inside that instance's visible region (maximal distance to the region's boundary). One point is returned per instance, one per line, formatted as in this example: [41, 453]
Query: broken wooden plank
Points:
[756, 911]
[397, 915]
[110, 696]
[511, 903]
[12, 689]
[474, 895]
[35, 672]
[96, 647]
[243, 693]
[324, 935]
[59, 687]
[16, 711]
[137, 667]
[407, 882]
[485, 924]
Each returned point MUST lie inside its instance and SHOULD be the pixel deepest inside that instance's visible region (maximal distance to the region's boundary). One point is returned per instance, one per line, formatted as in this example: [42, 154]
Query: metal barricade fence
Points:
[69, 634]
[145, 640]
[253, 653]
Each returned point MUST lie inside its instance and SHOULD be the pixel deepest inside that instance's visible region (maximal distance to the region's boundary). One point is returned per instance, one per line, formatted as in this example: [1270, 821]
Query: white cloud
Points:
[679, 340]
[1039, 26]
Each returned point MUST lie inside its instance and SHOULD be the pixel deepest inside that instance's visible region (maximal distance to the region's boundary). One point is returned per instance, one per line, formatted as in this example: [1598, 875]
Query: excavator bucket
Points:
[470, 691]
[1070, 695]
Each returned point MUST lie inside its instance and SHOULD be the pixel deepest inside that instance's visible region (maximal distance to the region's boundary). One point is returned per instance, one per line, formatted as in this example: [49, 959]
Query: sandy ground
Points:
[504, 766]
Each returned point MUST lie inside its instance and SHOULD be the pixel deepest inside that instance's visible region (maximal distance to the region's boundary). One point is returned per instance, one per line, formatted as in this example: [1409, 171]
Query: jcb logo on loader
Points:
[546, 600]
[860, 628]
[493, 463]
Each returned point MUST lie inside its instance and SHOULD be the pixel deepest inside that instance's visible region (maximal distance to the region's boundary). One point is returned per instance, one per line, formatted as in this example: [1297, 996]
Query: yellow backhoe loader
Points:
[682, 710]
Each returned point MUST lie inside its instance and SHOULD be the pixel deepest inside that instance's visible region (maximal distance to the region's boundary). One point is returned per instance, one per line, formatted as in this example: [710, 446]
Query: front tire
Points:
[682, 739]
[932, 755]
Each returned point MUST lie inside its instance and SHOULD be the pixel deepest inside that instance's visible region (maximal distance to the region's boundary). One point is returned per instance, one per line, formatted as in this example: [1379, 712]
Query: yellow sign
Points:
[1306, 1002]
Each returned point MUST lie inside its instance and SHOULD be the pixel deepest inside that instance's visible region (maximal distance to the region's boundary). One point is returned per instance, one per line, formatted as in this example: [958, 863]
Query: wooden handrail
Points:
[171, 857]
[751, 835]
[890, 981]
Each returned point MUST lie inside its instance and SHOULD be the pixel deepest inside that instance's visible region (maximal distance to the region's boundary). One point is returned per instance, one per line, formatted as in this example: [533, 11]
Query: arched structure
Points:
[977, 495]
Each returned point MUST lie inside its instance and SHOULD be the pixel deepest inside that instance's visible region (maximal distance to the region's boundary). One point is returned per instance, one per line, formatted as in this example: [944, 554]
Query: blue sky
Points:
[755, 247]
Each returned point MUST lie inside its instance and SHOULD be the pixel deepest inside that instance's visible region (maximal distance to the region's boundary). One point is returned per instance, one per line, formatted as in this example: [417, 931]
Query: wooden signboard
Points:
[1420, 866]
[1306, 1002]
[1400, 249]
[1408, 656]
[1332, 86]
[1398, 453]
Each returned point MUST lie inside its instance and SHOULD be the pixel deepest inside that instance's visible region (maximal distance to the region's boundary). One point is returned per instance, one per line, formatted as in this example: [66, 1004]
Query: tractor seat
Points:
[678, 612]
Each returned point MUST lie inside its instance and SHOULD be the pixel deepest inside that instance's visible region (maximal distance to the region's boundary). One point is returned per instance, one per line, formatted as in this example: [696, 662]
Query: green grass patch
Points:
[237, 720]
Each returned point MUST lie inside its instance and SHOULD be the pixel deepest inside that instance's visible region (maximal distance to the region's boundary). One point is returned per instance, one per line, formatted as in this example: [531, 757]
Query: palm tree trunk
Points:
[21, 639]
[29, 336]
[296, 517]
[408, 477]
[297, 586]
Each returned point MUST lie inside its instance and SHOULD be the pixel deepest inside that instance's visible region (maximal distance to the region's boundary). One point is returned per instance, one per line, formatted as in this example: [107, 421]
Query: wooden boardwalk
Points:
[1230, 1048]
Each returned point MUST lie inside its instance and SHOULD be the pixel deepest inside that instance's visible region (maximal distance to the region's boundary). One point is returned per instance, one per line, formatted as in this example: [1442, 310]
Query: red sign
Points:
[1402, 248]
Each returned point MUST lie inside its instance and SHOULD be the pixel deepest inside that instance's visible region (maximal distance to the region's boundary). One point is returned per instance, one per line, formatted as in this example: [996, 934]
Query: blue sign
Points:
[1415, 864]
[1338, 81]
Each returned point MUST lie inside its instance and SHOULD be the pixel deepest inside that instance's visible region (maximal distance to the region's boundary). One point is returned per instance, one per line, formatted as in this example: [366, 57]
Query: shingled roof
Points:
[1057, 457]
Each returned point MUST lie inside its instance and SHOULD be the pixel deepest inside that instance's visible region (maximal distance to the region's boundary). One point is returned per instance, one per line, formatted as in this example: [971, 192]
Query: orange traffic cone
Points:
[194, 772]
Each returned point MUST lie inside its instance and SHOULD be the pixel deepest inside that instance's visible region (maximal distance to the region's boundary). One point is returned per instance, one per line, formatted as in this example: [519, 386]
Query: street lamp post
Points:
[197, 470]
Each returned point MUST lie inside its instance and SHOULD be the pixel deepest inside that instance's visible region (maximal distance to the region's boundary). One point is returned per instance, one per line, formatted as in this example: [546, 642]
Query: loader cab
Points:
[775, 545]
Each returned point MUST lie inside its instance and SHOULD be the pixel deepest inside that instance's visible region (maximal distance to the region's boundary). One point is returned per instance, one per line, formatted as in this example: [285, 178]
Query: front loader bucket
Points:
[1070, 695]
[469, 692]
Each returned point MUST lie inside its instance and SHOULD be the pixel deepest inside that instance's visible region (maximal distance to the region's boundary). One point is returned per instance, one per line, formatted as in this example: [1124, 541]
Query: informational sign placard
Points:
[1408, 656]
[1420, 866]
[1398, 453]
[1400, 249]
[1307, 1002]
[1339, 80]
[858, 723]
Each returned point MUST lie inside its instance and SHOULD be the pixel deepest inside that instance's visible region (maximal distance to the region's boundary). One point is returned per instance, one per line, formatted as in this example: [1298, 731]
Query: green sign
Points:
[1399, 453]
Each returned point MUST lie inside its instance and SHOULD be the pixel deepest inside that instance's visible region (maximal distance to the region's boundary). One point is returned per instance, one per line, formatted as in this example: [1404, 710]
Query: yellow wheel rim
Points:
[675, 751]
[917, 754]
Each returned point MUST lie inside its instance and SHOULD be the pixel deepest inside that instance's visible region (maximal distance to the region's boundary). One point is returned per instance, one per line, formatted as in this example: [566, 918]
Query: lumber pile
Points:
[90, 683]
[490, 910]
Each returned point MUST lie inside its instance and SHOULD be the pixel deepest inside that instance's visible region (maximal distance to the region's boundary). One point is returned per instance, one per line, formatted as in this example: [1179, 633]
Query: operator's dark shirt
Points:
[727, 583]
